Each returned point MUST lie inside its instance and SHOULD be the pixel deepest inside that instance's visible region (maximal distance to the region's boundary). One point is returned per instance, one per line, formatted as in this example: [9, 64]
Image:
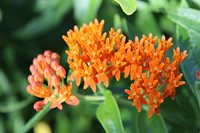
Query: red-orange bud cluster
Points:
[46, 67]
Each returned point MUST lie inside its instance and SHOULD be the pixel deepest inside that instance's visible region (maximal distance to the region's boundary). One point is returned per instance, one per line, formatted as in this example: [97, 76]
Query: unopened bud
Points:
[38, 77]
[29, 90]
[54, 64]
[40, 57]
[60, 71]
[47, 53]
[55, 56]
[30, 79]
[48, 73]
[39, 105]
[55, 80]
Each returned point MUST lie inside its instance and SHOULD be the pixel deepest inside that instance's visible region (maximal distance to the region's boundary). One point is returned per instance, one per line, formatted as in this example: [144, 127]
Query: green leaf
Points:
[155, 124]
[85, 10]
[187, 18]
[108, 114]
[49, 19]
[197, 2]
[15, 106]
[191, 64]
[128, 6]
[4, 83]
[144, 18]
[197, 88]
[2, 125]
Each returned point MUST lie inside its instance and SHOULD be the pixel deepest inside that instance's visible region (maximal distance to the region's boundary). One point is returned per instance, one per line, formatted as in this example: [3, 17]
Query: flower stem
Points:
[91, 98]
[101, 88]
[35, 119]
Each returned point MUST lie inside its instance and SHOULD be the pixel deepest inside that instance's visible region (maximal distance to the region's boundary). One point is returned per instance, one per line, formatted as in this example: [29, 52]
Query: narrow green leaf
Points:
[4, 83]
[155, 124]
[197, 88]
[49, 19]
[2, 125]
[108, 114]
[86, 10]
[35, 119]
[15, 106]
[187, 18]
[128, 6]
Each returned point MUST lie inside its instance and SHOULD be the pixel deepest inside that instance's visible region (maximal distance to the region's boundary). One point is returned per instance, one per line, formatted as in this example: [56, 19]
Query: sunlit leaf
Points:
[128, 6]
[86, 10]
[197, 88]
[187, 18]
[155, 124]
[108, 114]
[197, 2]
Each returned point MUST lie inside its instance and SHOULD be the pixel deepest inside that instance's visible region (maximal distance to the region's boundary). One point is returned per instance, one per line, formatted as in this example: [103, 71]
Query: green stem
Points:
[35, 119]
[101, 88]
[91, 98]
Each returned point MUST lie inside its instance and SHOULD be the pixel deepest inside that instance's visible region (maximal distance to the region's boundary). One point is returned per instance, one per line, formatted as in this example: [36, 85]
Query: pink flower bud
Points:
[47, 53]
[38, 77]
[29, 90]
[39, 105]
[55, 80]
[55, 56]
[32, 68]
[35, 61]
[30, 79]
[40, 57]
[48, 73]
[60, 71]
[73, 100]
[54, 64]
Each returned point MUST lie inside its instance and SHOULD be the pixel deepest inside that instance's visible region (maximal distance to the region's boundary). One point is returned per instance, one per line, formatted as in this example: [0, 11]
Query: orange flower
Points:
[153, 71]
[92, 55]
[95, 57]
[46, 68]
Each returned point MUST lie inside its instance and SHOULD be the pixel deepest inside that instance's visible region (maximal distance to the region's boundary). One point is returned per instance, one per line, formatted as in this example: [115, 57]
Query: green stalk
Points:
[101, 88]
[34, 120]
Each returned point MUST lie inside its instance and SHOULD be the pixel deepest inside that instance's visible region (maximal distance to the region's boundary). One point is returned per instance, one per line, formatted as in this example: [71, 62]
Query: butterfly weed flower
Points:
[46, 82]
[95, 57]
[92, 55]
[155, 76]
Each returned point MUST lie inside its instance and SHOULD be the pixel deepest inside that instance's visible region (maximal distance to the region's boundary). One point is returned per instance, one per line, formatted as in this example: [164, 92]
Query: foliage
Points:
[27, 28]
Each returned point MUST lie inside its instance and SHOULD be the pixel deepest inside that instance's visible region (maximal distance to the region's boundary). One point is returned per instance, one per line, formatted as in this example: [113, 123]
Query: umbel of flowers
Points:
[47, 82]
[95, 57]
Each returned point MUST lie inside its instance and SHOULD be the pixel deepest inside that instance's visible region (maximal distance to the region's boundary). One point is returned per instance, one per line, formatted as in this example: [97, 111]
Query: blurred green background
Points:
[28, 27]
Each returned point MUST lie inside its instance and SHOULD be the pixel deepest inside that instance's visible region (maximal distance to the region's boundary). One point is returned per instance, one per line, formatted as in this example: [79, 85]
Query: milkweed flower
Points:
[47, 82]
[92, 55]
[155, 76]
[95, 57]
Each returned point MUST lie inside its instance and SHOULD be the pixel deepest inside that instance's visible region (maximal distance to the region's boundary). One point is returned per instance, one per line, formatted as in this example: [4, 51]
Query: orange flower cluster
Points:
[46, 81]
[96, 57]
